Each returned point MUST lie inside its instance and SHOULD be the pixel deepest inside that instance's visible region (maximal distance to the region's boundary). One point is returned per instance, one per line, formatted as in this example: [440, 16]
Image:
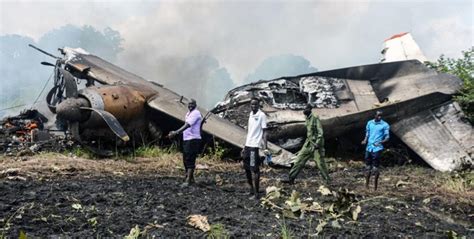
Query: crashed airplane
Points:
[416, 101]
[118, 103]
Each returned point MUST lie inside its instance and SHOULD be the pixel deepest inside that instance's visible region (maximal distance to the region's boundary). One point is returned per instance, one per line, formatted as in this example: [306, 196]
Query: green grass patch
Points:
[81, 152]
[215, 153]
[285, 231]
[218, 231]
[154, 151]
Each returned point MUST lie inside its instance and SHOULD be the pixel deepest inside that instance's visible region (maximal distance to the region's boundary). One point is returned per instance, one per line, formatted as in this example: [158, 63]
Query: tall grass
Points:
[285, 230]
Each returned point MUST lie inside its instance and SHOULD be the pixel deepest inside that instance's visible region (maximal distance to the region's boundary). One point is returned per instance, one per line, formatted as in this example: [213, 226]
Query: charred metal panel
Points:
[380, 71]
[399, 80]
[432, 141]
[414, 85]
[364, 95]
[452, 117]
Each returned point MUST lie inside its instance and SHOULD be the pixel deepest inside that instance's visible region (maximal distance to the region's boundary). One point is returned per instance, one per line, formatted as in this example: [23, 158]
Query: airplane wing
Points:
[96, 68]
[170, 104]
[439, 136]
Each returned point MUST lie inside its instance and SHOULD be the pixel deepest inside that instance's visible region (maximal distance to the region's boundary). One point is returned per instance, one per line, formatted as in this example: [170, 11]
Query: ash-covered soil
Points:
[58, 196]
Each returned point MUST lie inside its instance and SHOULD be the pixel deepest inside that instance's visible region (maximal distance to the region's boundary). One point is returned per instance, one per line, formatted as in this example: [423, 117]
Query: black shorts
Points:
[252, 160]
[191, 149]
[372, 159]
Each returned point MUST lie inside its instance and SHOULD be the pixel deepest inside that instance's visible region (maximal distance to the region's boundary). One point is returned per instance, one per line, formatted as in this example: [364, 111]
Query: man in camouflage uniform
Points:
[313, 147]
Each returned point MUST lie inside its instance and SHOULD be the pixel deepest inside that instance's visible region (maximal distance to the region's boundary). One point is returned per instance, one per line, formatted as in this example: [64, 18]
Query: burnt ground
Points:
[52, 195]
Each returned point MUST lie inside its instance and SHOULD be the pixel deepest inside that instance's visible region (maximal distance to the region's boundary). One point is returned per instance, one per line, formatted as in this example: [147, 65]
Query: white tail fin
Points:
[401, 47]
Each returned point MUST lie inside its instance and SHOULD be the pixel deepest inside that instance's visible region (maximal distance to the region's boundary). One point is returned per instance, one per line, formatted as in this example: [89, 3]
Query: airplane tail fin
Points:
[401, 47]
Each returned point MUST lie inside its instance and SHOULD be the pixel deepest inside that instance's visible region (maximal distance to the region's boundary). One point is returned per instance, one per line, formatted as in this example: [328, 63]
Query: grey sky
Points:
[241, 34]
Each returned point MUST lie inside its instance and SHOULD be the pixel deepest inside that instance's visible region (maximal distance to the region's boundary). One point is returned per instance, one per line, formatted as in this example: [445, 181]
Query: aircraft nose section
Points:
[70, 110]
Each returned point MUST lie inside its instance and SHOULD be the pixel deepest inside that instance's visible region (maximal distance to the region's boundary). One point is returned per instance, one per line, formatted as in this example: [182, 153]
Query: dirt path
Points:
[55, 195]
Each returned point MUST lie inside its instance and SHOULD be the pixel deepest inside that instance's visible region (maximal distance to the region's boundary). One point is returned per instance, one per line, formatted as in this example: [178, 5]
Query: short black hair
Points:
[308, 107]
[192, 101]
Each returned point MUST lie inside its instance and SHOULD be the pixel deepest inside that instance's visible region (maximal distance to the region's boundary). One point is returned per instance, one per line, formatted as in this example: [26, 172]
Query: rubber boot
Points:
[376, 180]
[367, 179]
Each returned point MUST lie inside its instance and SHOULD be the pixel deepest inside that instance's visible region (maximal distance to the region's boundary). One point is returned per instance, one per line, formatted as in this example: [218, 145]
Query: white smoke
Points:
[239, 34]
[159, 37]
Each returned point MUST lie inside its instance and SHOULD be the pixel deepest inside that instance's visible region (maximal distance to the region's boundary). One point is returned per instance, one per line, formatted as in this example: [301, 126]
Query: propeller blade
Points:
[44, 63]
[52, 101]
[70, 83]
[43, 51]
[112, 122]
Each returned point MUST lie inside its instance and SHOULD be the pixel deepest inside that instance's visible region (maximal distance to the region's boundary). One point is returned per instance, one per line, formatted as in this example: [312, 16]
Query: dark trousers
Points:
[372, 159]
[190, 151]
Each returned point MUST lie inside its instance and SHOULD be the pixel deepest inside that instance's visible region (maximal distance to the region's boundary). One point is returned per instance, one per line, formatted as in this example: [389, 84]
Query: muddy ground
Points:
[52, 195]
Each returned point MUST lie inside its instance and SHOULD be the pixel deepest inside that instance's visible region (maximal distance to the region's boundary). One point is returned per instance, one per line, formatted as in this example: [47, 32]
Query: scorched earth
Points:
[53, 195]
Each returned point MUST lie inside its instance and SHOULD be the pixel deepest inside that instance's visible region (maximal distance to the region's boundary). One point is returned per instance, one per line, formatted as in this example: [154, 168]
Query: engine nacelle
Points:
[124, 102]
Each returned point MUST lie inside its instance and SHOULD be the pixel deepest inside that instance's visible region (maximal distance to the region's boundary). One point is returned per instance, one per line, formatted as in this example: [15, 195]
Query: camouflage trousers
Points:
[306, 153]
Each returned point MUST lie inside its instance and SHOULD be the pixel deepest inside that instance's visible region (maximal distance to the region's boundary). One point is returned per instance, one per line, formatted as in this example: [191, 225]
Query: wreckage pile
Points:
[320, 91]
[281, 94]
[24, 134]
[288, 94]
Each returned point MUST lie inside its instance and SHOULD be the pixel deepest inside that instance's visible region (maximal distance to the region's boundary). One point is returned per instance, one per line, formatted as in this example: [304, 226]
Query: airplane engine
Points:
[124, 103]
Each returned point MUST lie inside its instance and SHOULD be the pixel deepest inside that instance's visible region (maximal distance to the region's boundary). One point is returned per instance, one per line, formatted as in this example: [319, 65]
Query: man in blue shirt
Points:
[376, 133]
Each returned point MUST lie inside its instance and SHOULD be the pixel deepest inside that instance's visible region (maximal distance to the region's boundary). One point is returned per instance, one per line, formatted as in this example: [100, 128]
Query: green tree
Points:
[464, 69]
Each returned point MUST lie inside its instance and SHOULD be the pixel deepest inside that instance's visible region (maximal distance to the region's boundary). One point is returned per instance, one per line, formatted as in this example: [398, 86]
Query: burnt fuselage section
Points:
[344, 99]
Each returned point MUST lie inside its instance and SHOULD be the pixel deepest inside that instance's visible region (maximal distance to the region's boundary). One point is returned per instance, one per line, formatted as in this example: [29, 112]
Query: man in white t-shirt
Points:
[256, 135]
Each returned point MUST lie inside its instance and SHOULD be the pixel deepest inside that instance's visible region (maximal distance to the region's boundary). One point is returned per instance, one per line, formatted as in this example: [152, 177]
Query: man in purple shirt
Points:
[191, 140]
